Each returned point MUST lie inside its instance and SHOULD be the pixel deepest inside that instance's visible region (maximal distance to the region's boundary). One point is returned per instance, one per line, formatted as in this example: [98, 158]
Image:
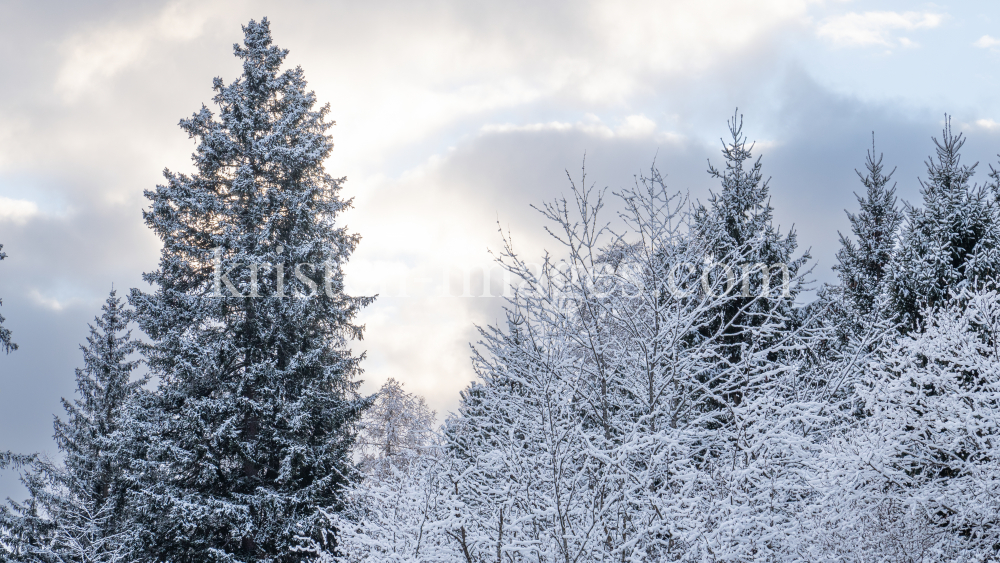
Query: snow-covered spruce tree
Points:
[952, 243]
[863, 264]
[737, 229]
[76, 506]
[918, 478]
[16, 531]
[250, 432]
[856, 313]
[5, 336]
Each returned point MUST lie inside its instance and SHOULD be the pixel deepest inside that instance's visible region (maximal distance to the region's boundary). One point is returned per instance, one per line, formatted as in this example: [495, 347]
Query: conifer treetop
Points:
[953, 241]
[77, 505]
[744, 189]
[5, 335]
[738, 221]
[260, 187]
[863, 267]
[947, 174]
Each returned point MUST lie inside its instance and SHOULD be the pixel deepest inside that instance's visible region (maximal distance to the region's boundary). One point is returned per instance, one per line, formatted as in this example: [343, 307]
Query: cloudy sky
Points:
[451, 116]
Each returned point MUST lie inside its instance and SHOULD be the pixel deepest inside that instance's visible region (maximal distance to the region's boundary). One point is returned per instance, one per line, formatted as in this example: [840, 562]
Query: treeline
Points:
[657, 395]
[656, 392]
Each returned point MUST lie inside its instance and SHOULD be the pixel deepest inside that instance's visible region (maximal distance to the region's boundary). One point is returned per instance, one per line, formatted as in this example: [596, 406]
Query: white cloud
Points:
[601, 129]
[101, 53]
[686, 35]
[876, 28]
[421, 71]
[17, 210]
[636, 126]
[987, 42]
[632, 127]
[50, 303]
[989, 124]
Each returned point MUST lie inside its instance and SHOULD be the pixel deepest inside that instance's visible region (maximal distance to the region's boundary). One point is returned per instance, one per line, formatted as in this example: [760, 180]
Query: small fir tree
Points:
[5, 335]
[88, 436]
[76, 508]
[864, 266]
[736, 231]
[737, 227]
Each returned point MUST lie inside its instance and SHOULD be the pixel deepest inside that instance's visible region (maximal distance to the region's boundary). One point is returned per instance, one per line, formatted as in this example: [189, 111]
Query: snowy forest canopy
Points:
[657, 392]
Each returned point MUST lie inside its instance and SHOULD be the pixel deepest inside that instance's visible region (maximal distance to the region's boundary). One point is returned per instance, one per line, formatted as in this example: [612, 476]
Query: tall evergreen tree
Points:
[737, 231]
[75, 508]
[864, 266]
[249, 434]
[5, 335]
[950, 244]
